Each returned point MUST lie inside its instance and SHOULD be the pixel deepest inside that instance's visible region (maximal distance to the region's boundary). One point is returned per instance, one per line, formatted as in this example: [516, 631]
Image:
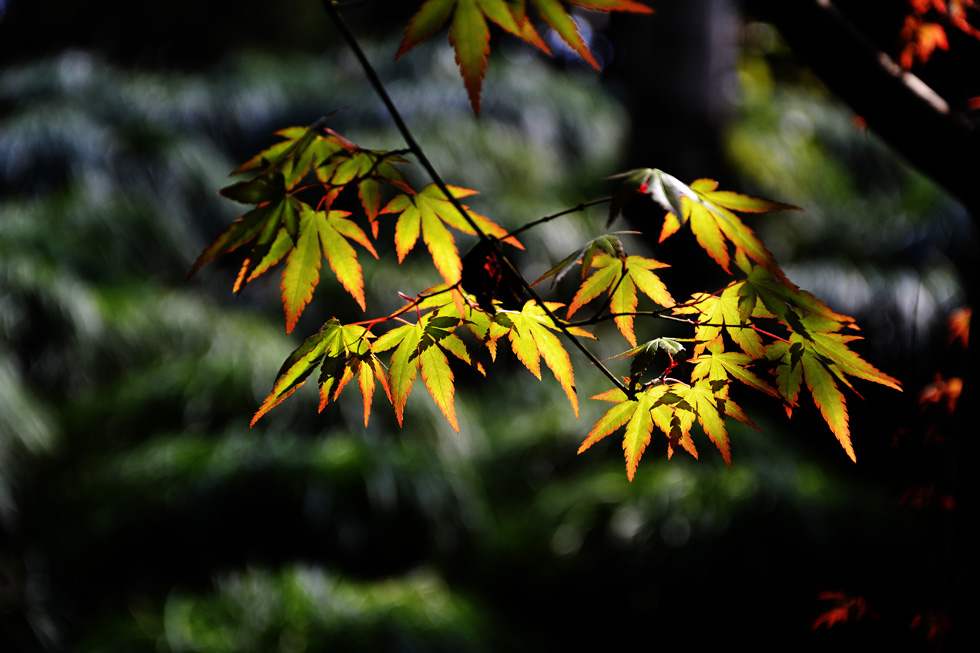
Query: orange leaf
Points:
[844, 609]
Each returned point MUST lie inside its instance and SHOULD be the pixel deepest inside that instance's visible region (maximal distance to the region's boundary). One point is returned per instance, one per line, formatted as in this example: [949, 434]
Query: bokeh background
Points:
[139, 512]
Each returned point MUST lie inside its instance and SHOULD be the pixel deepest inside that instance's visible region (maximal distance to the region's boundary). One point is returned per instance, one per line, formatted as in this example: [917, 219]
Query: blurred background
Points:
[138, 511]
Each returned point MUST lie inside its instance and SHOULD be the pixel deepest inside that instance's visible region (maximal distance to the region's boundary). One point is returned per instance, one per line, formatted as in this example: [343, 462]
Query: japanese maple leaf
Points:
[716, 364]
[707, 400]
[321, 233]
[558, 19]
[844, 608]
[779, 296]
[282, 226]
[708, 211]
[921, 39]
[427, 213]
[341, 352]
[368, 169]
[718, 312]
[531, 336]
[423, 347]
[622, 277]
[301, 148]
[658, 406]
[469, 32]
[818, 355]
[607, 243]
[274, 211]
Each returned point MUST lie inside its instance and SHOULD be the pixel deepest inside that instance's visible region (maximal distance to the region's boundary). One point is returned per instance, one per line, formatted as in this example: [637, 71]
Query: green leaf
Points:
[262, 222]
[368, 169]
[322, 233]
[717, 364]
[558, 19]
[469, 31]
[469, 35]
[438, 380]
[706, 210]
[341, 352]
[294, 371]
[658, 405]
[427, 213]
[622, 277]
[817, 354]
[780, 296]
[829, 399]
[292, 157]
[722, 312]
[423, 346]
[703, 401]
[531, 338]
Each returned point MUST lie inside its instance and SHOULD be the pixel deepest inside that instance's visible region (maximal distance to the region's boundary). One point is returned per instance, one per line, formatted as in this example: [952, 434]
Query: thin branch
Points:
[581, 206]
[376, 83]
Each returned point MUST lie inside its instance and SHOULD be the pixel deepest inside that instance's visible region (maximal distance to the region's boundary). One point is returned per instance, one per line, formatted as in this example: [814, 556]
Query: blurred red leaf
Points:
[935, 624]
[942, 391]
[927, 496]
[845, 607]
[959, 324]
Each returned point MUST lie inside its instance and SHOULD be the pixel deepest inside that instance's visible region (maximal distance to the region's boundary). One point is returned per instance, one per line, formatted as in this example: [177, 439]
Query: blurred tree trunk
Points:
[678, 70]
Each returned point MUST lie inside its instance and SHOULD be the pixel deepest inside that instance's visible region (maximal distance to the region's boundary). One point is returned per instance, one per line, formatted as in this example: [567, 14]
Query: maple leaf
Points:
[530, 333]
[921, 39]
[723, 311]
[622, 277]
[274, 209]
[817, 355]
[781, 297]
[469, 31]
[341, 352]
[427, 213]
[336, 161]
[283, 226]
[301, 148]
[321, 233]
[707, 399]
[959, 326]
[422, 347]
[844, 608]
[658, 406]
[369, 169]
[716, 364]
[607, 243]
[707, 210]
[942, 391]
[558, 19]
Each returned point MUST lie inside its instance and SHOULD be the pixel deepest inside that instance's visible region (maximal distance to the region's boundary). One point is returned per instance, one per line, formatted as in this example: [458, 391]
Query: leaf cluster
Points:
[759, 330]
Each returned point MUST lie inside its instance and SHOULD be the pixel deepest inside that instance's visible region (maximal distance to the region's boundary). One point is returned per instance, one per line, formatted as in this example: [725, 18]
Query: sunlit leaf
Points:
[322, 233]
[340, 352]
[469, 31]
[531, 335]
[622, 277]
[427, 213]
